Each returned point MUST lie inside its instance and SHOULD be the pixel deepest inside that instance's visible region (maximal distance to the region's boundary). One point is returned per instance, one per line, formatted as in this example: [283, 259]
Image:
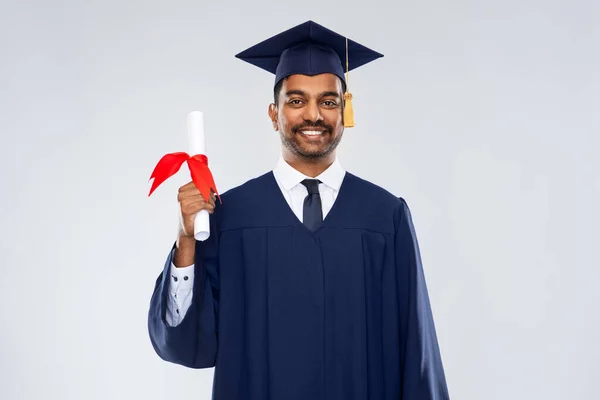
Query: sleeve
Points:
[193, 341]
[181, 284]
[422, 373]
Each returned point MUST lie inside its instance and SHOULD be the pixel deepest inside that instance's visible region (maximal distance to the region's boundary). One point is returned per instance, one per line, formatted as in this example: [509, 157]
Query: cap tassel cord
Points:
[348, 110]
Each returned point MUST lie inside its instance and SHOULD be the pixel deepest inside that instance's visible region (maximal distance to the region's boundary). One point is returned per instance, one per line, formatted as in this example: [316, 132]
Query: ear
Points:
[273, 116]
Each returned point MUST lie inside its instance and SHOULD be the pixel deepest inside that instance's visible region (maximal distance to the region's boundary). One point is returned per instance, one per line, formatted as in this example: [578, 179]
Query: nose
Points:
[312, 112]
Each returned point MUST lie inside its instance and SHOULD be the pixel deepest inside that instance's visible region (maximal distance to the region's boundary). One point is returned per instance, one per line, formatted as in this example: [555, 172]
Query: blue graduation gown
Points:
[341, 313]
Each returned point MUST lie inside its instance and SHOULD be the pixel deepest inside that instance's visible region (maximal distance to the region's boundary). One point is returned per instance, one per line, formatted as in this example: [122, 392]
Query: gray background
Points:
[483, 115]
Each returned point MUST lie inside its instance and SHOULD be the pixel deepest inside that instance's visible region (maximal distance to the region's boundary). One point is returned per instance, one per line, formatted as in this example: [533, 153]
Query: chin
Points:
[300, 149]
[314, 154]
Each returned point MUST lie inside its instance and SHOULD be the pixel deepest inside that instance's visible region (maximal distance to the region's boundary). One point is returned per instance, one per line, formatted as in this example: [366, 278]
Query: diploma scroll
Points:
[202, 177]
[197, 145]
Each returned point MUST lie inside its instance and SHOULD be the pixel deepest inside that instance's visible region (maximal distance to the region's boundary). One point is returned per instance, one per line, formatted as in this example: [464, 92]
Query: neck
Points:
[309, 167]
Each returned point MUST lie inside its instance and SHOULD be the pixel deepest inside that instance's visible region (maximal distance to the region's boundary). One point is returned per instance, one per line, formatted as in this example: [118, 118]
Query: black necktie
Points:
[312, 213]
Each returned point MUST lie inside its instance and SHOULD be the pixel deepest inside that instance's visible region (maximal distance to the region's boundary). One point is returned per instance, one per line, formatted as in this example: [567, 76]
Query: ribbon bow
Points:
[170, 163]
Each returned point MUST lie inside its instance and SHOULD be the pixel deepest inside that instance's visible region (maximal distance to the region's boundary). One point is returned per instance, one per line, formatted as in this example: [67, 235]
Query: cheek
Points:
[334, 118]
[288, 118]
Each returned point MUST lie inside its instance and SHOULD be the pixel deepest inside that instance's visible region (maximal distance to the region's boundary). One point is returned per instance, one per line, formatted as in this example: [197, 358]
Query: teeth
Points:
[312, 133]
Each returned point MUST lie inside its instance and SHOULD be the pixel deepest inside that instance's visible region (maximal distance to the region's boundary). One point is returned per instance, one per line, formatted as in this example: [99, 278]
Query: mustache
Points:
[317, 124]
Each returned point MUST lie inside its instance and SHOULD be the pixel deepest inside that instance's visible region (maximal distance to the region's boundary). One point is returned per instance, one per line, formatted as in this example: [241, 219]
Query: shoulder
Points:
[375, 194]
[381, 200]
[374, 206]
[232, 211]
[248, 189]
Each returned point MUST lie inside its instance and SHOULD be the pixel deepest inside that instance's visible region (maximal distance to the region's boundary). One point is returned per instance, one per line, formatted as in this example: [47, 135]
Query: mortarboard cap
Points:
[310, 49]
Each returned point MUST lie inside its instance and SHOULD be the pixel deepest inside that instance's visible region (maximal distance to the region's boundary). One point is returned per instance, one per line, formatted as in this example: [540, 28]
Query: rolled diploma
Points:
[197, 143]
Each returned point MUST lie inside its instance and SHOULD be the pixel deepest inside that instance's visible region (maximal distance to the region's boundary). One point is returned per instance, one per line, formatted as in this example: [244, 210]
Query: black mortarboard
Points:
[310, 49]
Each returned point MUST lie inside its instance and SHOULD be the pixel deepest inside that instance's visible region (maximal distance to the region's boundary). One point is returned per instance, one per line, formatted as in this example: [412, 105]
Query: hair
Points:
[277, 90]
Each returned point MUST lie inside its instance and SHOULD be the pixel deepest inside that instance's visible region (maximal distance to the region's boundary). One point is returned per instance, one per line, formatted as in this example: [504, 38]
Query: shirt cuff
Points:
[181, 293]
[181, 278]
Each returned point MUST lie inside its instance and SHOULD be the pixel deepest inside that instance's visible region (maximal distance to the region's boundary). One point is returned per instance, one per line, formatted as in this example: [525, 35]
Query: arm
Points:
[422, 372]
[191, 340]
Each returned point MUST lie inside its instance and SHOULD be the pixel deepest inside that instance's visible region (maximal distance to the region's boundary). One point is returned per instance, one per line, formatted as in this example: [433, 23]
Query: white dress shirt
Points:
[288, 179]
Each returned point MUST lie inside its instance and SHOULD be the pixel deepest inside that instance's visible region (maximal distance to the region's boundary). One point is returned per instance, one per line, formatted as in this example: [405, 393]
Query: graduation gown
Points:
[283, 313]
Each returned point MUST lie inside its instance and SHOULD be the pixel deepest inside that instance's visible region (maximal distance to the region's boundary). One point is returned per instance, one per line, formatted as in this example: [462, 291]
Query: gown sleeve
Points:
[193, 342]
[422, 373]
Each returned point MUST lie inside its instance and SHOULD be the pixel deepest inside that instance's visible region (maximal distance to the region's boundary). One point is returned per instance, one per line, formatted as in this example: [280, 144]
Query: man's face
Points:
[309, 115]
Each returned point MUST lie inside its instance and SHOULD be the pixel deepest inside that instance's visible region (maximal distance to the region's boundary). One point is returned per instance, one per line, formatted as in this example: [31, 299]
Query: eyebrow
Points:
[330, 94]
[302, 93]
[296, 92]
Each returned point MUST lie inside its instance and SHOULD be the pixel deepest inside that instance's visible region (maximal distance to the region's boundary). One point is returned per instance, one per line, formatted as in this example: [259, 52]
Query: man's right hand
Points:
[191, 202]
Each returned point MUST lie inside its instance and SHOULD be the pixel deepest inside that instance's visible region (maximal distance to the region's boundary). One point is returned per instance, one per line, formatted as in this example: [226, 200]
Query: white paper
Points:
[197, 145]
[197, 140]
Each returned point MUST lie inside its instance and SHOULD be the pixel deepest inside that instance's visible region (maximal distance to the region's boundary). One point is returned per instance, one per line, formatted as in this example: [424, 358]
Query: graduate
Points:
[310, 285]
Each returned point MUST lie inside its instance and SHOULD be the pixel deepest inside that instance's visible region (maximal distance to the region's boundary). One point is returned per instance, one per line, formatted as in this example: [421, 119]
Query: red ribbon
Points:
[170, 163]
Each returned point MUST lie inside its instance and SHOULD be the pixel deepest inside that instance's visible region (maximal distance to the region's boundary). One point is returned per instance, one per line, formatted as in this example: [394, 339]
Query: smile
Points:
[312, 133]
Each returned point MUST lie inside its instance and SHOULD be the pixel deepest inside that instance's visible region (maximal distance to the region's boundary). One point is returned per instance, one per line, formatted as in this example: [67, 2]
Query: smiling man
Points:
[311, 284]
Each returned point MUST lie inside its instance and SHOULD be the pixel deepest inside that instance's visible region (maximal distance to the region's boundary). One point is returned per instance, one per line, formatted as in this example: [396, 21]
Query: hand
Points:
[191, 202]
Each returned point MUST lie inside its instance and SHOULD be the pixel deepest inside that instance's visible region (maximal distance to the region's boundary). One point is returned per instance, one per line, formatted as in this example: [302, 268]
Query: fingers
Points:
[189, 190]
[192, 196]
[191, 200]
[188, 186]
[194, 207]
[191, 203]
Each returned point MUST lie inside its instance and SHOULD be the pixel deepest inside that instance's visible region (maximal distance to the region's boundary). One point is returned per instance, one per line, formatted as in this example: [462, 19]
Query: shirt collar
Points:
[289, 177]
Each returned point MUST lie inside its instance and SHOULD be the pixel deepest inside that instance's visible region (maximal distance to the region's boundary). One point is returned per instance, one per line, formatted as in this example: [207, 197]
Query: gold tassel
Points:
[348, 110]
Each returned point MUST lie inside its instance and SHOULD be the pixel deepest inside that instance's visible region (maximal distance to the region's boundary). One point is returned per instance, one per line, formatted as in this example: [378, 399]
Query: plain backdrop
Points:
[483, 115]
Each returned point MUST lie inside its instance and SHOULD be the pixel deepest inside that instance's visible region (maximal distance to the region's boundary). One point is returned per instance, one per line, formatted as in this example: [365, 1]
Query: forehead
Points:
[313, 84]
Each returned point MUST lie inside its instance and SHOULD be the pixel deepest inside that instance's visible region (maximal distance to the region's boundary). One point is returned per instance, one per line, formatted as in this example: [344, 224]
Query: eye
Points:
[329, 103]
[295, 102]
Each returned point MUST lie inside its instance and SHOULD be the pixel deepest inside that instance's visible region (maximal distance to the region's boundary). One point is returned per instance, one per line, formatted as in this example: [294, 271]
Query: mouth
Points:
[311, 132]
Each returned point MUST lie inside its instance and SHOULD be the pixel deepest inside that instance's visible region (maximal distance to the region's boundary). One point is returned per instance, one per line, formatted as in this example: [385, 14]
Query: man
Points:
[310, 285]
